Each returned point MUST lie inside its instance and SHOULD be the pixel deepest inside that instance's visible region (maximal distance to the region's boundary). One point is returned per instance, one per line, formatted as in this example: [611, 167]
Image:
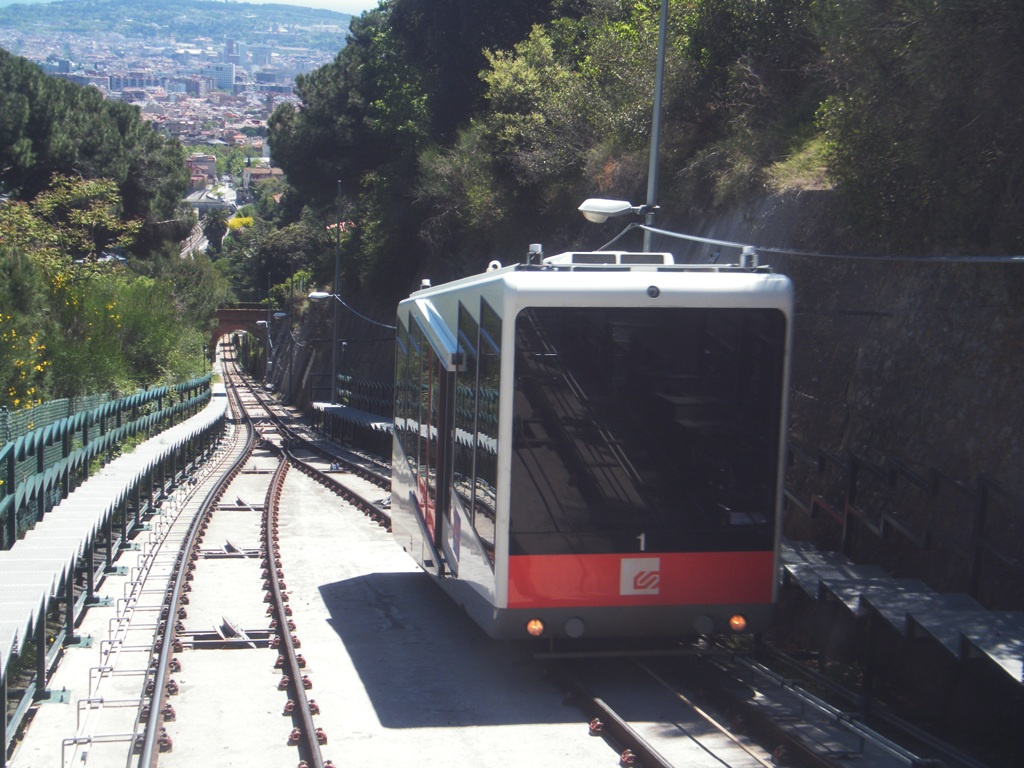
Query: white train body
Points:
[596, 449]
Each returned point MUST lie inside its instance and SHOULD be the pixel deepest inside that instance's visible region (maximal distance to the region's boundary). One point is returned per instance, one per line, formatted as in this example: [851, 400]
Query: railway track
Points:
[202, 628]
[715, 708]
[211, 618]
[236, 543]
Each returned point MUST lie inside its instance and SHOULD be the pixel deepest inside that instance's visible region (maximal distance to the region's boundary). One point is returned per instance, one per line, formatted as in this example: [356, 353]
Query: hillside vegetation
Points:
[447, 133]
[461, 130]
[94, 296]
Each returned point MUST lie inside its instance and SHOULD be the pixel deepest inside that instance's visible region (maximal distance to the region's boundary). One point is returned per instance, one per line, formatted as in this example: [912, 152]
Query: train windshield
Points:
[645, 429]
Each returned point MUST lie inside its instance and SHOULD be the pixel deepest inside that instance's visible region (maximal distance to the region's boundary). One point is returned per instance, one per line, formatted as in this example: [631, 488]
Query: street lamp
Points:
[334, 323]
[323, 296]
[268, 347]
[598, 210]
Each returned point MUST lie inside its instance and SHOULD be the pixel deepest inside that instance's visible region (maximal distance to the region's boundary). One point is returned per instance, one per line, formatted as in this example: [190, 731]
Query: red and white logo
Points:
[639, 576]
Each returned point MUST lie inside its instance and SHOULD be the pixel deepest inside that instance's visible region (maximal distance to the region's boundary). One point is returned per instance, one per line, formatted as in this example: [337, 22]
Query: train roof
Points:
[596, 262]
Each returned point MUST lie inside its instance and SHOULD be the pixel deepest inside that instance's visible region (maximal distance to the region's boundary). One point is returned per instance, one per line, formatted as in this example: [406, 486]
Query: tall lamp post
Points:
[286, 380]
[652, 168]
[337, 309]
[267, 348]
[320, 296]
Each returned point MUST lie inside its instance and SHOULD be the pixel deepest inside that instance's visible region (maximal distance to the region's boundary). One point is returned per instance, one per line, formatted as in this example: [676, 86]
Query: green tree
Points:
[24, 361]
[197, 285]
[215, 226]
[424, 30]
[74, 324]
[49, 126]
[364, 111]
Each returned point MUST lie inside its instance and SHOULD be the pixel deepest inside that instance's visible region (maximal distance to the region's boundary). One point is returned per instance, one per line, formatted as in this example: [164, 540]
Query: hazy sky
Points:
[355, 7]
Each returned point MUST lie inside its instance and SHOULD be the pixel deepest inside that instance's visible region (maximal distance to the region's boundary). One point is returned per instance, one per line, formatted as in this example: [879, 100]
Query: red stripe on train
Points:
[674, 578]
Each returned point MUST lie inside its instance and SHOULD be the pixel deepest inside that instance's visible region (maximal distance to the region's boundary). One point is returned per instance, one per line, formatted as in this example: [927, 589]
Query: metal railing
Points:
[966, 534]
[45, 463]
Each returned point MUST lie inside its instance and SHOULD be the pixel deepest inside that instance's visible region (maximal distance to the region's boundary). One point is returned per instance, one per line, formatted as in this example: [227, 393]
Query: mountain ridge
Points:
[183, 20]
[158, 22]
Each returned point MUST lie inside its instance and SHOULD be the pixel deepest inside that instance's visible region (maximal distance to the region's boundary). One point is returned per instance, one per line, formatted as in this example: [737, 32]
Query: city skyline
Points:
[353, 7]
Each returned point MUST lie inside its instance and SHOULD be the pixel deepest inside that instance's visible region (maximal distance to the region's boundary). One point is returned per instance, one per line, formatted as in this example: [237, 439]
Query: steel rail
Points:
[309, 745]
[844, 720]
[302, 714]
[148, 753]
[291, 437]
[352, 467]
[605, 722]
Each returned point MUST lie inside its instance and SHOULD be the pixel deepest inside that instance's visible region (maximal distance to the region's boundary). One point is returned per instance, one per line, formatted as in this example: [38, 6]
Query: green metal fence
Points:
[47, 450]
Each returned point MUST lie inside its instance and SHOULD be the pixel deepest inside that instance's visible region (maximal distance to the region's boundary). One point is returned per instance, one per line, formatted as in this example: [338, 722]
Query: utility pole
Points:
[652, 168]
[335, 303]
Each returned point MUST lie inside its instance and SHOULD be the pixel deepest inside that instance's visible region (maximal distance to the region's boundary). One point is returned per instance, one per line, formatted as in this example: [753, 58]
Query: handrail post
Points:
[851, 494]
[978, 535]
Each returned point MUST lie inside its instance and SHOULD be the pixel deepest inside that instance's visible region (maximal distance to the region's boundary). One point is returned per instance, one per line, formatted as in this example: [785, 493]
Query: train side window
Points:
[405, 415]
[426, 407]
[465, 410]
[486, 449]
[466, 484]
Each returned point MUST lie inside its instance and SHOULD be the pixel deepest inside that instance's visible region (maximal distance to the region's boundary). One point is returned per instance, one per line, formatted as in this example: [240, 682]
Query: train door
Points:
[431, 444]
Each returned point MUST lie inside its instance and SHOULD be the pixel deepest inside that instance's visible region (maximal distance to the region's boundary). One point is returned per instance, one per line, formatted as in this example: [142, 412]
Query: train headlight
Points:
[737, 623]
[535, 627]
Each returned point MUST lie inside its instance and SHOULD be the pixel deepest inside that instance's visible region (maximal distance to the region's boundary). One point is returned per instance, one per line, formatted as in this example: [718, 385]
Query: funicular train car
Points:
[592, 446]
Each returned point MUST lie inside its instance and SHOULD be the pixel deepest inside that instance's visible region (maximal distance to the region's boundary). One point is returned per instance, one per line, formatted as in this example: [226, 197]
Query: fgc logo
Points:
[639, 575]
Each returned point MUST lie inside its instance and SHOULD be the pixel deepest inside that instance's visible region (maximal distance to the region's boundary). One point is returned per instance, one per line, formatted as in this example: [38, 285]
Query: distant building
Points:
[123, 82]
[98, 81]
[205, 165]
[276, 90]
[271, 75]
[262, 55]
[133, 95]
[203, 201]
[222, 74]
[252, 176]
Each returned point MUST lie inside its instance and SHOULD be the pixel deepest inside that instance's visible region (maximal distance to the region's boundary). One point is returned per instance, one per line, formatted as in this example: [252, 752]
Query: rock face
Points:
[919, 363]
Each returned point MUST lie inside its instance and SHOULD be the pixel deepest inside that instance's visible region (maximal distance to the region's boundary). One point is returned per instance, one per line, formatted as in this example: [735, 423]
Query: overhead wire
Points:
[362, 316]
[986, 259]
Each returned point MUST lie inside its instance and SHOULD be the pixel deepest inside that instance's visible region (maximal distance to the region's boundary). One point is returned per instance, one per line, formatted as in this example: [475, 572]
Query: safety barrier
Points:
[44, 465]
[967, 531]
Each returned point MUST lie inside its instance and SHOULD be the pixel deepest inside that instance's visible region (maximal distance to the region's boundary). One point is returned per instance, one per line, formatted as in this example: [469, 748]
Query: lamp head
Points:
[598, 210]
[319, 295]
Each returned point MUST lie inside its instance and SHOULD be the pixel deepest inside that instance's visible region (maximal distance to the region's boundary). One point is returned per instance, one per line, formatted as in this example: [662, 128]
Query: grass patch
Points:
[803, 169]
